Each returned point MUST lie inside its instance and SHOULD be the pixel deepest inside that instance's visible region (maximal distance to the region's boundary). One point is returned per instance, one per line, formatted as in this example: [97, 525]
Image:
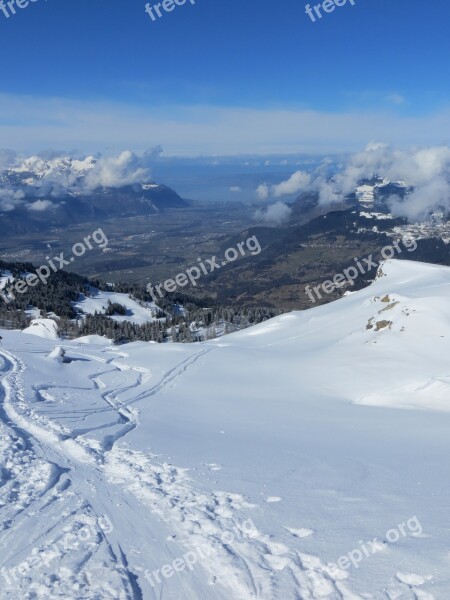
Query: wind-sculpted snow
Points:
[246, 467]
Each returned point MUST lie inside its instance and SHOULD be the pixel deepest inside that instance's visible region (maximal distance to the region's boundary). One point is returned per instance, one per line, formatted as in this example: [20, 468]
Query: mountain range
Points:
[37, 194]
[320, 240]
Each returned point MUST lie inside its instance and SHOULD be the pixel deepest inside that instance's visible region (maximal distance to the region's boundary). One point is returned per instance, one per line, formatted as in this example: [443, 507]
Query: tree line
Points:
[177, 318]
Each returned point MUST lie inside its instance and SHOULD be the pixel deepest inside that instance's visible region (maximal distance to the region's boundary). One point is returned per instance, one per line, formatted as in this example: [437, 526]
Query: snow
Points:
[98, 340]
[57, 354]
[98, 302]
[365, 194]
[35, 313]
[5, 278]
[41, 168]
[302, 459]
[376, 215]
[44, 328]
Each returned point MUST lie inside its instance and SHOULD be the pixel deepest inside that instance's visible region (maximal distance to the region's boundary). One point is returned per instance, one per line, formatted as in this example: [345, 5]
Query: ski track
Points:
[31, 482]
[250, 567]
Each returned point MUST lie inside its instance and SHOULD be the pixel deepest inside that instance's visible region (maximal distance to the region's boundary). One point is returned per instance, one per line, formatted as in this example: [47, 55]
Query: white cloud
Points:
[10, 199]
[193, 130]
[59, 173]
[263, 191]
[39, 205]
[425, 169]
[117, 171]
[275, 214]
[297, 182]
[235, 189]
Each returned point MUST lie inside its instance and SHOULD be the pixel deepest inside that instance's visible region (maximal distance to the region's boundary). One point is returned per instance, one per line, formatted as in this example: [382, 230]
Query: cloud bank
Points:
[36, 181]
[426, 170]
[34, 122]
[52, 175]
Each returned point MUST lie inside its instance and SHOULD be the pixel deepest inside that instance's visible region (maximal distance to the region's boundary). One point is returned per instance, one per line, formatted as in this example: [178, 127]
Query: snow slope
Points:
[45, 328]
[98, 302]
[246, 467]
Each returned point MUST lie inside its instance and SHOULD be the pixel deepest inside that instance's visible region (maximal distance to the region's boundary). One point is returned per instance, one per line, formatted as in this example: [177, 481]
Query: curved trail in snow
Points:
[43, 474]
[78, 474]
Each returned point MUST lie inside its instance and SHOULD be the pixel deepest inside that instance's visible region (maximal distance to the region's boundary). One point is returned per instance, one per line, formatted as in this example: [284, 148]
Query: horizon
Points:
[224, 299]
[214, 79]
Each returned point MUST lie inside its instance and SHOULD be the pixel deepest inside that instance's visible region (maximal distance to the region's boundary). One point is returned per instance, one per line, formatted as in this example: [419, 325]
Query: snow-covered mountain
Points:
[304, 458]
[372, 195]
[375, 193]
[37, 193]
[34, 170]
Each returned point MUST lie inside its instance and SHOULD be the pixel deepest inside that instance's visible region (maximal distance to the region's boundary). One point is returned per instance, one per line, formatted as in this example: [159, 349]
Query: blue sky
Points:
[224, 76]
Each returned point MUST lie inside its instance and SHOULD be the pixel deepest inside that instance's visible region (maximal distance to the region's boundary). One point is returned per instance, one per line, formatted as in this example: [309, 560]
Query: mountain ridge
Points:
[38, 194]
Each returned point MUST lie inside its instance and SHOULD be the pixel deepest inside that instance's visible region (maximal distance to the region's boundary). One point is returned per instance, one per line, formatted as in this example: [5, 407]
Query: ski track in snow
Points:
[32, 482]
[40, 459]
